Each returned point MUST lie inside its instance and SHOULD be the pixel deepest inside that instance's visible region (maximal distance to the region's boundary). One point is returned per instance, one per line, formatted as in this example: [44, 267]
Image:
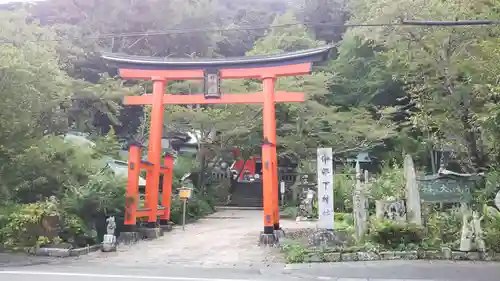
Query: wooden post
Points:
[267, 190]
[155, 149]
[167, 187]
[184, 204]
[269, 111]
[132, 192]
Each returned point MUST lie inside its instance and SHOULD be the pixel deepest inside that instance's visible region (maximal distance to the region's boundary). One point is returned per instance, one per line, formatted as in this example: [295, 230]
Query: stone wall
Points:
[331, 256]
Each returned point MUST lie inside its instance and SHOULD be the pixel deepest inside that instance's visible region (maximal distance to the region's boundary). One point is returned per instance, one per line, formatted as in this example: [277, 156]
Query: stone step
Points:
[246, 203]
[234, 197]
[237, 208]
[249, 199]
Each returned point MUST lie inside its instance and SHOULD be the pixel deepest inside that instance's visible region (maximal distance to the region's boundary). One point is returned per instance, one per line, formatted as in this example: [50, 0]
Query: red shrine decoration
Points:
[265, 68]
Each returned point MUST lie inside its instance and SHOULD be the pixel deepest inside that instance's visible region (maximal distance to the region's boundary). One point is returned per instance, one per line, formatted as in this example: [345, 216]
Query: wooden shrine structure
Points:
[266, 68]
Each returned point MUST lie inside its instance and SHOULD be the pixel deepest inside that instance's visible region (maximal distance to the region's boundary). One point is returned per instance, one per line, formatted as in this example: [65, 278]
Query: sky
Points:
[8, 1]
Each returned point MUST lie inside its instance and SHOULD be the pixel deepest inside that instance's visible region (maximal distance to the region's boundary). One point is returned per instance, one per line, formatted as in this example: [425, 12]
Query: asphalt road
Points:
[399, 269]
[356, 271]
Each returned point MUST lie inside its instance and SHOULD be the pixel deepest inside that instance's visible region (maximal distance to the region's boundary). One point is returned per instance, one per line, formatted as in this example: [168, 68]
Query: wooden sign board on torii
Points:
[266, 68]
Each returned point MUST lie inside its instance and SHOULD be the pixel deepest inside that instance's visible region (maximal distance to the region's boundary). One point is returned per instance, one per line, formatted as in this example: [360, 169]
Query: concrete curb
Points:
[64, 253]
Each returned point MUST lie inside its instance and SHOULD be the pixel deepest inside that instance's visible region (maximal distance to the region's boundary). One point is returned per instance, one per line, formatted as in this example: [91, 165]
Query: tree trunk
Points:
[201, 171]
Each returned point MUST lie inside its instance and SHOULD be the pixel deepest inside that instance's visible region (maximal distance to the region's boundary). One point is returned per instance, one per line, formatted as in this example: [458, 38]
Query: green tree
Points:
[440, 67]
[329, 15]
[303, 127]
[108, 145]
[32, 86]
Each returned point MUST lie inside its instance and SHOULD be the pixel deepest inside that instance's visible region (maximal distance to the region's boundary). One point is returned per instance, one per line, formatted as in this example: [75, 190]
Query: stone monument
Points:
[413, 207]
[325, 188]
[109, 241]
[360, 206]
[391, 209]
[325, 234]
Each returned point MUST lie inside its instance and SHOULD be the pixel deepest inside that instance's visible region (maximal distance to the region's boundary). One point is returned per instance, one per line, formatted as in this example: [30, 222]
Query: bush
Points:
[75, 220]
[183, 165]
[294, 252]
[202, 208]
[75, 231]
[107, 145]
[347, 217]
[102, 195]
[492, 239]
[196, 209]
[491, 227]
[390, 183]
[393, 235]
[443, 228]
[47, 168]
[289, 212]
[29, 225]
[221, 191]
[344, 186]
[344, 222]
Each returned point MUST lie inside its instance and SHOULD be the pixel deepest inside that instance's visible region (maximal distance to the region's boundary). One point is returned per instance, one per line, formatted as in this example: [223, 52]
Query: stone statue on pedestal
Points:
[306, 205]
[110, 228]
[472, 233]
[109, 241]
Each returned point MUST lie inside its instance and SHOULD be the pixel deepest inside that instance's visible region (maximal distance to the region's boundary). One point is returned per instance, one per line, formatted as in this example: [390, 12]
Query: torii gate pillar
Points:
[265, 68]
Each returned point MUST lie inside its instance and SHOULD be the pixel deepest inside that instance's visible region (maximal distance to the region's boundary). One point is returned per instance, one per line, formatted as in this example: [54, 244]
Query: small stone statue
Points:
[109, 241]
[110, 228]
[306, 205]
[472, 233]
[478, 232]
[305, 179]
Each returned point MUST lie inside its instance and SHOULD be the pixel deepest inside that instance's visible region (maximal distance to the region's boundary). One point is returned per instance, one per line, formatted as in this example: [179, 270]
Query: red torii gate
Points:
[265, 68]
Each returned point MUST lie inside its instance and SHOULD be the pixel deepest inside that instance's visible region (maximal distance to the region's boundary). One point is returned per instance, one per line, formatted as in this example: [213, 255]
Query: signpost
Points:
[185, 194]
[212, 84]
[325, 188]
[282, 191]
[445, 188]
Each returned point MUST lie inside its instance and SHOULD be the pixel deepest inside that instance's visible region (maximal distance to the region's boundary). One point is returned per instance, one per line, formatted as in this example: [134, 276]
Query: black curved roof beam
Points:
[153, 63]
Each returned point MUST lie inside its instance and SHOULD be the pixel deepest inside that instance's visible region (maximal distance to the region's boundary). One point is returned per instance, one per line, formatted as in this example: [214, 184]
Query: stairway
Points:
[247, 195]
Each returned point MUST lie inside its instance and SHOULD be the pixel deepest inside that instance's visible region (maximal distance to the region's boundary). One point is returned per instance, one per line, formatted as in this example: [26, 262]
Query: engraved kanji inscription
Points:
[325, 158]
[325, 184]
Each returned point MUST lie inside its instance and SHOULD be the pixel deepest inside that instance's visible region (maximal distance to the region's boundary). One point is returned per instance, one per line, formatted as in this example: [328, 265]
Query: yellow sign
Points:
[185, 193]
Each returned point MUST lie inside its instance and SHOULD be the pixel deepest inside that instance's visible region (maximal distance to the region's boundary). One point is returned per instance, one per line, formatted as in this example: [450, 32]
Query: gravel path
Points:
[226, 238]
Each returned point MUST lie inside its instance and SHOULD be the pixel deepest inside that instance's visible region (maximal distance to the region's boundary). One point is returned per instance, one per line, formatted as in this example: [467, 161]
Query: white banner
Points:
[325, 188]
